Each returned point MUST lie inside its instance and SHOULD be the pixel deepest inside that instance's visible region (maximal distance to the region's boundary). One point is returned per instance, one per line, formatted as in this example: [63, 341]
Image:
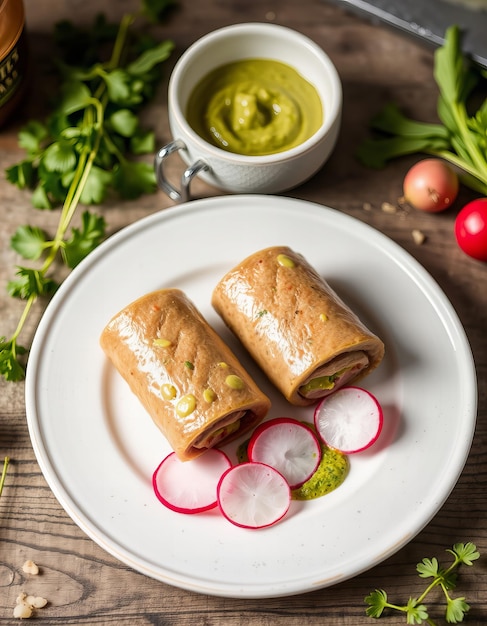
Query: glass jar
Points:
[13, 56]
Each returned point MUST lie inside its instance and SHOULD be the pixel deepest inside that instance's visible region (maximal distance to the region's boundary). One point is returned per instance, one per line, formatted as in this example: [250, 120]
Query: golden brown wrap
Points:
[186, 377]
[307, 341]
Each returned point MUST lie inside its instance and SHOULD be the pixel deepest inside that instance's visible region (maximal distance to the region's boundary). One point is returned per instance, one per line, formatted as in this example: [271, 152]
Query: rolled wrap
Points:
[186, 377]
[301, 334]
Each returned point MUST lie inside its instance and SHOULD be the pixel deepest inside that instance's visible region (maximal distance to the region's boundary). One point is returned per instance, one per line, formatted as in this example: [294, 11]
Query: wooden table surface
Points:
[84, 584]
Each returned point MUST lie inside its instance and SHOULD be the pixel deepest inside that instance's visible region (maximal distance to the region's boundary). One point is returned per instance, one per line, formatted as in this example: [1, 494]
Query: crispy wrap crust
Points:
[293, 324]
[196, 359]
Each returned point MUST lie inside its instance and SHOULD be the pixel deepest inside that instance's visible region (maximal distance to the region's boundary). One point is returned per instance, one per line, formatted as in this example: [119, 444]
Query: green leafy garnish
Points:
[459, 137]
[84, 151]
[415, 609]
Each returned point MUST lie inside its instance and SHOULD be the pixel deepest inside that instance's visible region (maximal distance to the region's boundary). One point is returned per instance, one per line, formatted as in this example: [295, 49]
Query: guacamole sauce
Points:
[255, 107]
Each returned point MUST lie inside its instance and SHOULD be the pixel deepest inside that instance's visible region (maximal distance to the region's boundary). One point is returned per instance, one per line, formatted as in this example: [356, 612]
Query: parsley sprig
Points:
[85, 150]
[460, 137]
[415, 609]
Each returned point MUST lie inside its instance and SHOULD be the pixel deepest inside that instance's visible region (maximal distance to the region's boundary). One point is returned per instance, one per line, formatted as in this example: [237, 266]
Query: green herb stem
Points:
[470, 175]
[477, 157]
[69, 208]
[120, 41]
[81, 176]
[25, 313]
[6, 461]
[84, 153]
[114, 149]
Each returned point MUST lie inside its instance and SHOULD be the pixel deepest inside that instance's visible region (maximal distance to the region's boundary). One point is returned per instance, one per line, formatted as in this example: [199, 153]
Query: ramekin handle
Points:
[184, 194]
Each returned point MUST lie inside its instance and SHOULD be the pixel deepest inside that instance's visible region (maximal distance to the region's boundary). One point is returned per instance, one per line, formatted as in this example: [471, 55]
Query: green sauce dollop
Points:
[255, 107]
[330, 474]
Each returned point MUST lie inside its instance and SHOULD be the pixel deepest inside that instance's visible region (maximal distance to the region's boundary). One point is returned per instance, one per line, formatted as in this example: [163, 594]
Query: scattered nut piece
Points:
[36, 602]
[418, 237]
[387, 207]
[30, 567]
[25, 605]
[367, 206]
[23, 611]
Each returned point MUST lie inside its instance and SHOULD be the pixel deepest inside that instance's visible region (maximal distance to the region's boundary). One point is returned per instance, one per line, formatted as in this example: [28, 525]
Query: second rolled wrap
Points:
[301, 334]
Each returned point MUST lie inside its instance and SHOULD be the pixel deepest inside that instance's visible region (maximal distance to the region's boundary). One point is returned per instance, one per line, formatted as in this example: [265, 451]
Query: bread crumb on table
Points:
[418, 237]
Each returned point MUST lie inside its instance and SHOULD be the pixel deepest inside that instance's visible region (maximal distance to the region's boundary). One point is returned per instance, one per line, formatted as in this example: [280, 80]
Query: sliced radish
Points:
[287, 445]
[253, 495]
[349, 420]
[190, 486]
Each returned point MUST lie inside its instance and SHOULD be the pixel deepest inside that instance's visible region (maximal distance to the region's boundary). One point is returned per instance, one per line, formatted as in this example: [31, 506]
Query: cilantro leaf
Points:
[82, 150]
[75, 96]
[120, 88]
[132, 179]
[416, 613]
[11, 367]
[30, 282]
[124, 122]
[428, 568]
[40, 199]
[415, 609]
[50, 188]
[29, 242]
[23, 174]
[31, 137]
[465, 553]
[85, 239]
[377, 601]
[150, 58]
[456, 610]
[60, 156]
[143, 142]
[96, 186]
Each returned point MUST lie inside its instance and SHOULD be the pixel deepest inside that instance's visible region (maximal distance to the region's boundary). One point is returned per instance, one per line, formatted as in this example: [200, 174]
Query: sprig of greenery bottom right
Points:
[415, 609]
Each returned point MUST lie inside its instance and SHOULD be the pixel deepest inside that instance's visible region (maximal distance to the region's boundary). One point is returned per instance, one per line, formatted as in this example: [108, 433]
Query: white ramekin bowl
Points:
[238, 173]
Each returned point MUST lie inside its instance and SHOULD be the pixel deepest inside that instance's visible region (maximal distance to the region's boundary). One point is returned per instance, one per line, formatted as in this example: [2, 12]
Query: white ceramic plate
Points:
[98, 448]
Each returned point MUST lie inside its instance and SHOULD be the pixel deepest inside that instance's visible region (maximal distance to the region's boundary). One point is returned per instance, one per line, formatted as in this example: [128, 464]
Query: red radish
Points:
[349, 420]
[190, 486]
[431, 185]
[253, 495]
[288, 446]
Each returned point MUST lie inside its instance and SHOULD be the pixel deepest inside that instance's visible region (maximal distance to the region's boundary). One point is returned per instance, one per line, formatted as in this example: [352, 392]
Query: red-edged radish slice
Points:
[349, 420]
[288, 446]
[253, 495]
[190, 486]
